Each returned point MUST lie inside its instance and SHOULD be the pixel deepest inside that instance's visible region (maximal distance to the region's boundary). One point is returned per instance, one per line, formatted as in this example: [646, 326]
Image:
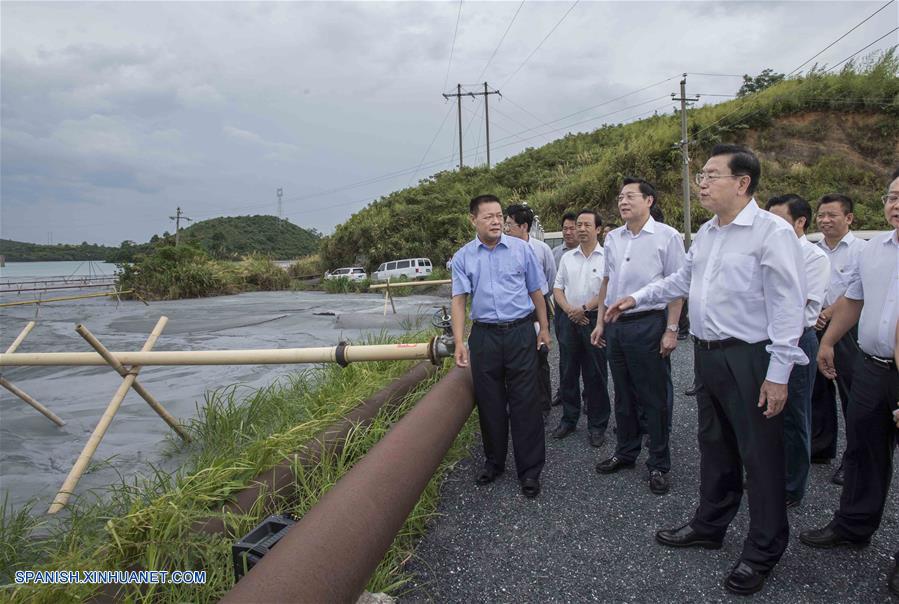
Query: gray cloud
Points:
[115, 113]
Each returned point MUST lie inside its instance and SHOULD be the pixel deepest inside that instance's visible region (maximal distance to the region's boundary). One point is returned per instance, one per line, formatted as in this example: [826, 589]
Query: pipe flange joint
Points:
[340, 354]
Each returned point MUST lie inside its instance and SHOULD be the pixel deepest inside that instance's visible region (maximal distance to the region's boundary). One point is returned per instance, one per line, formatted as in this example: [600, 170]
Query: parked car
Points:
[407, 269]
[353, 273]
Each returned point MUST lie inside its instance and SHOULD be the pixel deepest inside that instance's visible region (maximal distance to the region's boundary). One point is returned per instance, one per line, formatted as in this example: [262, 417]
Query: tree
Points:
[760, 82]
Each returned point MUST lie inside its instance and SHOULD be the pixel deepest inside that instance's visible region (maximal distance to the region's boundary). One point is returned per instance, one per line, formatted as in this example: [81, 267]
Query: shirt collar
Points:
[649, 226]
[596, 250]
[746, 216]
[847, 240]
[503, 241]
[893, 238]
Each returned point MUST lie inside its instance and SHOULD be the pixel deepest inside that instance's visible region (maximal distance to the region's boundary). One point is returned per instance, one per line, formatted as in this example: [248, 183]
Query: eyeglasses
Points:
[630, 197]
[890, 199]
[702, 176]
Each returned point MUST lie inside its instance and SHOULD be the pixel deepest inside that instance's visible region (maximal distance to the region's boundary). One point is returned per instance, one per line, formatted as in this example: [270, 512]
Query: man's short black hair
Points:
[895, 175]
[521, 214]
[568, 216]
[839, 198]
[655, 210]
[742, 162]
[646, 188]
[596, 218]
[476, 202]
[797, 207]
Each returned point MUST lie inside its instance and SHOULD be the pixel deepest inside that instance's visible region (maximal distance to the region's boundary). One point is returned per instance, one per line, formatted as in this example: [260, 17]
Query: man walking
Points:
[501, 275]
[746, 284]
[518, 223]
[575, 290]
[835, 216]
[871, 430]
[640, 342]
[798, 411]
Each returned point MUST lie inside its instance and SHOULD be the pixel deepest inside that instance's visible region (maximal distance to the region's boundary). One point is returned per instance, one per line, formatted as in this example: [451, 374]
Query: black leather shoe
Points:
[893, 579]
[597, 439]
[658, 482]
[613, 464]
[487, 476]
[685, 536]
[562, 431]
[827, 538]
[745, 580]
[530, 487]
[691, 391]
[837, 477]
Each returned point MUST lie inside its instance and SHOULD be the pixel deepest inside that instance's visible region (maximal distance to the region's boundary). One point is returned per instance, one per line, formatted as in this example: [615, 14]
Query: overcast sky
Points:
[114, 114]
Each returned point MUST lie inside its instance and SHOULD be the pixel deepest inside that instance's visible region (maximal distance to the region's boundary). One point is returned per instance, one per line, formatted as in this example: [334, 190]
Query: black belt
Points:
[640, 315]
[716, 344]
[880, 362]
[506, 325]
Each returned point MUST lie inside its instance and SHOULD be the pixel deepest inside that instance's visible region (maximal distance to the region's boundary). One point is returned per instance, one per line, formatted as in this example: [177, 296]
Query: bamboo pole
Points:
[17, 290]
[68, 486]
[137, 386]
[21, 393]
[410, 283]
[21, 337]
[25, 397]
[64, 298]
[264, 356]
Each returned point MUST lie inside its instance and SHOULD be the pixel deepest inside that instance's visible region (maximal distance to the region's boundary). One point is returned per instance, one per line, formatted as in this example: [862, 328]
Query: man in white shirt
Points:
[577, 285]
[518, 222]
[746, 284]
[834, 217]
[640, 342]
[872, 299]
[798, 412]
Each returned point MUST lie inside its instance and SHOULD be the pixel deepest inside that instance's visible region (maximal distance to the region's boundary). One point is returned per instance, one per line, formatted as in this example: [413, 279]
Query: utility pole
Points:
[280, 193]
[459, 94]
[178, 217]
[685, 156]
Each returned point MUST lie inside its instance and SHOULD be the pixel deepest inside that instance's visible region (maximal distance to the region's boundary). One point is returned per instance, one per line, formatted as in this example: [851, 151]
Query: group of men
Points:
[764, 304]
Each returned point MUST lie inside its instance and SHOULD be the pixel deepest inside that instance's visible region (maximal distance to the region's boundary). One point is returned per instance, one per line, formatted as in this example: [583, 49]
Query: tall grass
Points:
[238, 433]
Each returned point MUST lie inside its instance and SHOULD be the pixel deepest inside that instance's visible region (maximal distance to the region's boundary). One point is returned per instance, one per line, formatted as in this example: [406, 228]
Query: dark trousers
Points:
[824, 402]
[642, 380]
[544, 381]
[733, 435]
[578, 358]
[870, 439]
[798, 418]
[504, 373]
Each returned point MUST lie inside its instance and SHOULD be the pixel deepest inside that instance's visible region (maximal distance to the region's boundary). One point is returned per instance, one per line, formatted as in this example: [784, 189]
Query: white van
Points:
[403, 270]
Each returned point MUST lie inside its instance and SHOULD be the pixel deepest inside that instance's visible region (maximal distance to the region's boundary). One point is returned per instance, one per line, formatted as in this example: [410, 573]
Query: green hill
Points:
[815, 134]
[237, 236]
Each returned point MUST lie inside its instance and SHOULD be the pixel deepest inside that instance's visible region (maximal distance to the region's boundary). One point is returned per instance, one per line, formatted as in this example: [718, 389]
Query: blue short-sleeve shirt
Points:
[499, 280]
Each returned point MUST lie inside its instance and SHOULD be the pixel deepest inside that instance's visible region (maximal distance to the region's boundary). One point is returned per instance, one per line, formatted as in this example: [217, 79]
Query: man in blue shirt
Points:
[505, 283]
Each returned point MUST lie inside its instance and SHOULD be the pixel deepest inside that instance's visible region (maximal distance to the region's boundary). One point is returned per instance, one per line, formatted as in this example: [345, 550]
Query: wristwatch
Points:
[673, 327]
[584, 306]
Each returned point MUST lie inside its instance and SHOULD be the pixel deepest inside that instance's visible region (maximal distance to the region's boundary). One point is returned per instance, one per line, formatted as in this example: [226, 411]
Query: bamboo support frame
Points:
[137, 386]
[262, 356]
[21, 393]
[68, 486]
[65, 298]
[410, 283]
[15, 290]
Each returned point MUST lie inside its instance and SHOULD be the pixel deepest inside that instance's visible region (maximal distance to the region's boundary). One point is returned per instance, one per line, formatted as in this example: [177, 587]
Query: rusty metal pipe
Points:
[280, 480]
[330, 554]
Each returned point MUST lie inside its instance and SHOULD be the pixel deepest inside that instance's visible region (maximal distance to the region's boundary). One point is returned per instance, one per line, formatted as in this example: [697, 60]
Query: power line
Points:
[862, 49]
[508, 27]
[722, 75]
[862, 22]
[545, 38]
[428, 150]
[453, 46]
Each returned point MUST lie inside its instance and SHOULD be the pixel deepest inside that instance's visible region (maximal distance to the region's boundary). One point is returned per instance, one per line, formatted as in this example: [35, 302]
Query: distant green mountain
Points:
[238, 236]
[19, 251]
[231, 237]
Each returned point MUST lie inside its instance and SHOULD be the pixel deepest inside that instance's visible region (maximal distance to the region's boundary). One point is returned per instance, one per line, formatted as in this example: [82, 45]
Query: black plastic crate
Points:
[247, 552]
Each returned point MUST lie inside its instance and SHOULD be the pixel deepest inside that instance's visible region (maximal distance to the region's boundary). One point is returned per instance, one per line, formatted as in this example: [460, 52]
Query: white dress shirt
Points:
[817, 274]
[580, 277]
[876, 281]
[745, 280]
[633, 261]
[546, 261]
[843, 260]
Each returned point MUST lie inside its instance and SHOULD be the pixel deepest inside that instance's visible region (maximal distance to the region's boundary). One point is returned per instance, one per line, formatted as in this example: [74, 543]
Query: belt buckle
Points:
[883, 363]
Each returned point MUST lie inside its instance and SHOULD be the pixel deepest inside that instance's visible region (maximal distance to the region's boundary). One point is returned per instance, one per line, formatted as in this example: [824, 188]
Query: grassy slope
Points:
[817, 134]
